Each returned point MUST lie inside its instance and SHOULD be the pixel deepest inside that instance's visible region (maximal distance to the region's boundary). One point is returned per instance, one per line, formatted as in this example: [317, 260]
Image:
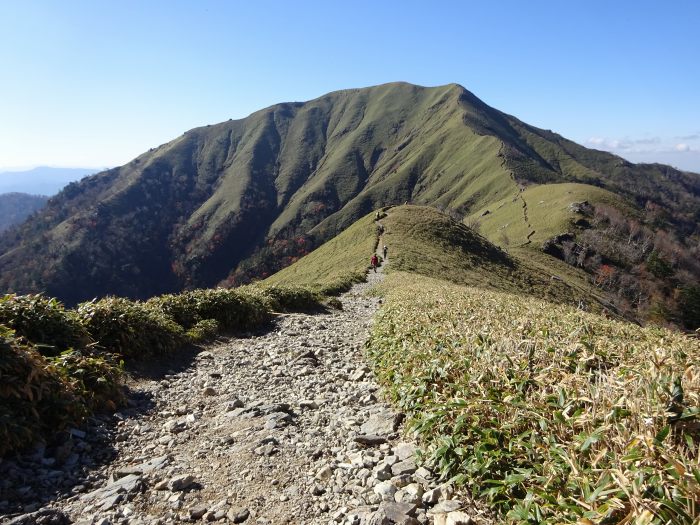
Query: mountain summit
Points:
[240, 199]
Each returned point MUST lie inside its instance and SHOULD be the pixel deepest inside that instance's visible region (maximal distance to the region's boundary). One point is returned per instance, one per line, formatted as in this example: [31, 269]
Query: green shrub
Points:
[42, 321]
[96, 378]
[203, 331]
[35, 397]
[130, 328]
[233, 309]
[239, 309]
[341, 285]
[334, 302]
[181, 308]
[287, 298]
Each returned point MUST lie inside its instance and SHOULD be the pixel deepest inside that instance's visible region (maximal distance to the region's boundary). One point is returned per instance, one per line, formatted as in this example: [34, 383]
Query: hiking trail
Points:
[285, 426]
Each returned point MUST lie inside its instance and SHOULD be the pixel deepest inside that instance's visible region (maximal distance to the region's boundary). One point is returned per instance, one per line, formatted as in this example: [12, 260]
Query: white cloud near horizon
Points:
[684, 155]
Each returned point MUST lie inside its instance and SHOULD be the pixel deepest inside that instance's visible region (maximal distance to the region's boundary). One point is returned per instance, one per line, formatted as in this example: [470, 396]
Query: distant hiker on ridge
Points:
[384, 250]
[374, 261]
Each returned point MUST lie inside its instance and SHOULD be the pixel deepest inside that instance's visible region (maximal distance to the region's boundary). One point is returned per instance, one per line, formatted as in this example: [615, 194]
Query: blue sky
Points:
[96, 83]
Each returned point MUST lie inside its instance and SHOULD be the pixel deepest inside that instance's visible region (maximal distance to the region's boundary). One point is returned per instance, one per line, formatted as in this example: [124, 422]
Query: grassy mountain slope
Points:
[241, 199]
[16, 207]
[539, 212]
[425, 241]
[335, 264]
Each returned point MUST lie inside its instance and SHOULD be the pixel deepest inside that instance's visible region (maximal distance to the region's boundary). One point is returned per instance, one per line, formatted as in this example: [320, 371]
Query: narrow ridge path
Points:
[281, 427]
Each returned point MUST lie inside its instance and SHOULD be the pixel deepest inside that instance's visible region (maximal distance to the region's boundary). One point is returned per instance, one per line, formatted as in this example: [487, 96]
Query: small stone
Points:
[382, 471]
[44, 516]
[381, 424]
[445, 507]
[370, 440]
[432, 496]
[238, 514]
[424, 474]
[385, 490]
[358, 374]
[411, 493]
[405, 451]
[407, 466]
[161, 485]
[232, 404]
[180, 482]
[324, 474]
[318, 490]
[396, 511]
[197, 512]
[208, 392]
[458, 518]
[77, 433]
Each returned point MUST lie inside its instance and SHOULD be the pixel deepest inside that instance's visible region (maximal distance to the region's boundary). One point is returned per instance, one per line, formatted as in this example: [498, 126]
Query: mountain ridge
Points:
[240, 199]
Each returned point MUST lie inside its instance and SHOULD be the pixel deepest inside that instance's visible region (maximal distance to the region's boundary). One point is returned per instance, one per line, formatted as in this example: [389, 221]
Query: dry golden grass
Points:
[548, 414]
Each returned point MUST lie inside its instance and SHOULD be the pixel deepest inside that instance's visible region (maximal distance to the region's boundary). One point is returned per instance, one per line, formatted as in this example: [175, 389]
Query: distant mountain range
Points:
[42, 180]
[229, 202]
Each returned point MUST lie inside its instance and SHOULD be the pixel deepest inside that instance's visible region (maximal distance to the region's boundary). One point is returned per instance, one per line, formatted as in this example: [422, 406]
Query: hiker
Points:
[376, 216]
[384, 250]
[374, 261]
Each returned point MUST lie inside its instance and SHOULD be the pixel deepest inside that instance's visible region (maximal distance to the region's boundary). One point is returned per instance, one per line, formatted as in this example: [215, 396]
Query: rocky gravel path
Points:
[287, 426]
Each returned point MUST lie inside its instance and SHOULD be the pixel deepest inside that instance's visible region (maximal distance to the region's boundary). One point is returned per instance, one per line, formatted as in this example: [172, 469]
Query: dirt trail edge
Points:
[283, 427]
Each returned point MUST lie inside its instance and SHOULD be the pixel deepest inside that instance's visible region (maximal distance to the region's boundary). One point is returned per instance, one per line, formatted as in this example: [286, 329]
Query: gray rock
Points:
[385, 490]
[110, 502]
[411, 493]
[238, 514]
[113, 493]
[272, 408]
[382, 472]
[445, 507]
[397, 511]
[197, 512]
[41, 517]
[233, 404]
[432, 496]
[383, 423]
[77, 433]
[370, 440]
[181, 482]
[458, 518]
[405, 451]
[308, 404]
[324, 473]
[407, 466]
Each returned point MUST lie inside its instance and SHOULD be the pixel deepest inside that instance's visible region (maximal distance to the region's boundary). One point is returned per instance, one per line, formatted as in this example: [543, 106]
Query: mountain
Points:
[16, 207]
[229, 202]
[42, 180]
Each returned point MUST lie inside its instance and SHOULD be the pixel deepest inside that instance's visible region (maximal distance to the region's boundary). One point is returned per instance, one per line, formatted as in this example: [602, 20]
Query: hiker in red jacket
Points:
[374, 261]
